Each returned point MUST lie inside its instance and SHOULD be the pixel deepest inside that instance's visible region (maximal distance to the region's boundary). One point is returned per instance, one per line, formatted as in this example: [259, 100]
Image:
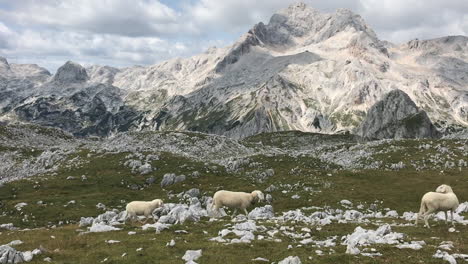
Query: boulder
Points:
[168, 179]
[265, 212]
[145, 169]
[194, 192]
[10, 255]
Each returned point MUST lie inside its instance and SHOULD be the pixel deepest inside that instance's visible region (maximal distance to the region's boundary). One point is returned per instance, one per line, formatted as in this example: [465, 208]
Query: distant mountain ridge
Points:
[304, 70]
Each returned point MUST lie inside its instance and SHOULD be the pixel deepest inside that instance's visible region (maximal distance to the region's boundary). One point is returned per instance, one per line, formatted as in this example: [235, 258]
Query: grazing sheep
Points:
[142, 208]
[442, 200]
[237, 200]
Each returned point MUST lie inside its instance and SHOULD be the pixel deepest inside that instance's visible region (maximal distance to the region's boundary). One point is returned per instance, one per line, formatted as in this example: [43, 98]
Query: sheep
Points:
[142, 208]
[443, 199]
[237, 200]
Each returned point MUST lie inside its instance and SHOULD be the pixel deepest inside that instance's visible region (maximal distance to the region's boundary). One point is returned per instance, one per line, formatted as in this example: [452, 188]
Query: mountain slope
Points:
[304, 70]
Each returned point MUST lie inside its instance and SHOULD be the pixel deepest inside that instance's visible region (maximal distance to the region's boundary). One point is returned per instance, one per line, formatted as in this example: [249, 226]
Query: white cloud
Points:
[92, 48]
[122, 33]
[402, 20]
[120, 17]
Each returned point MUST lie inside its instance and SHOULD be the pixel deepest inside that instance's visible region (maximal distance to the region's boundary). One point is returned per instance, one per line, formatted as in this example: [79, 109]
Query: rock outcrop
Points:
[71, 72]
[397, 116]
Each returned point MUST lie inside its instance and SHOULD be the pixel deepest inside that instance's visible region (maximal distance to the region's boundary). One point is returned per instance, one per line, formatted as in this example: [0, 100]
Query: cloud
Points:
[118, 17]
[122, 33]
[54, 48]
[402, 20]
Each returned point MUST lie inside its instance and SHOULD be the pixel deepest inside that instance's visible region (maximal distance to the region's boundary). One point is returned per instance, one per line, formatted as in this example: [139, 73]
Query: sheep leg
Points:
[146, 219]
[233, 214]
[246, 213]
[446, 217]
[417, 219]
[427, 214]
[451, 212]
[131, 217]
[214, 210]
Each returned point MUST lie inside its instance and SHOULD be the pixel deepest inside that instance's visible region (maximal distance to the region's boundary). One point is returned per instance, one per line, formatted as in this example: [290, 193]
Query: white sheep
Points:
[444, 199]
[136, 208]
[236, 200]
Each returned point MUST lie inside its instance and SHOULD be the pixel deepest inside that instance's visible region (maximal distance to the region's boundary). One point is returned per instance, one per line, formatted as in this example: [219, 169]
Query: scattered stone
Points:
[446, 245]
[179, 178]
[100, 227]
[271, 188]
[15, 243]
[168, 179]
[145, 169]
[28, 255]
[101, 206]
[363, 237]
[194, 192]
[392, 213]
[445, 256]
[86, 221]
[171, 243]
[157, 226]
[192, 255]
[265, 212]
[346, 203]
[20, 206]
[291, 260]
[415, 245]
[150, 180]
[10, 255]
[8, 226]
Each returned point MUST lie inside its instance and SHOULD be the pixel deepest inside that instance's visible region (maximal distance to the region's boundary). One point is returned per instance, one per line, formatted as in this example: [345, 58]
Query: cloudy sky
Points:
[129, 32]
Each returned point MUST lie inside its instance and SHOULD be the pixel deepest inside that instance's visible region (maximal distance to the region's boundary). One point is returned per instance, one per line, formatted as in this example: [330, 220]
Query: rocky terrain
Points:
[304, 70]
[328, 197]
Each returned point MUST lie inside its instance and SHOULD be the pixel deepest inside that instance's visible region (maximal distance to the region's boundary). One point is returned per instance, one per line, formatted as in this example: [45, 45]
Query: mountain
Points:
[396, 116]
[303, 70]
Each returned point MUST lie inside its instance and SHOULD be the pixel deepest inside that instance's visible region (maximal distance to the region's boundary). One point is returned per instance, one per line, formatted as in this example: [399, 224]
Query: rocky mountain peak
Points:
[396, 116]
[4, 66]
[300, 25]
[71, 72]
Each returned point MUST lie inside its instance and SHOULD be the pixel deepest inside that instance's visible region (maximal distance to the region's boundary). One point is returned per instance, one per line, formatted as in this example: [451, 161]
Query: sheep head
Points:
[159, 202]
[258, 196]
[444, 188]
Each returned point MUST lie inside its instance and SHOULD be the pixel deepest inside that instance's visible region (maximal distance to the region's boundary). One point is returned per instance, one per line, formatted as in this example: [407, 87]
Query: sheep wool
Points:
[136, 208]
[443, 199]
[236, 200]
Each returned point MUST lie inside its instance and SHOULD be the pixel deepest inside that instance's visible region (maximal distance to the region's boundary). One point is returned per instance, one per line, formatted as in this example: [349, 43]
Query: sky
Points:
[123, 33]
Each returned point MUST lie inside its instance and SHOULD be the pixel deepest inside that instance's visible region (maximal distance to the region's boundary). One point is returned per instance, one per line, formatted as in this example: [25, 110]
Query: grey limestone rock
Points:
[71, 72]
[10, 255]
[397, 116]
